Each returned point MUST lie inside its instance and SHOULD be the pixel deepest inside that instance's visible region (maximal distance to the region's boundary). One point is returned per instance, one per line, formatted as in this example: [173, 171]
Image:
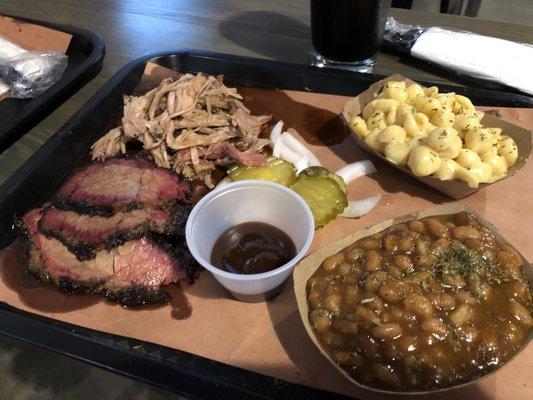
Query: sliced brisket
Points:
[84, 235]
[131, 274]
[103, 188]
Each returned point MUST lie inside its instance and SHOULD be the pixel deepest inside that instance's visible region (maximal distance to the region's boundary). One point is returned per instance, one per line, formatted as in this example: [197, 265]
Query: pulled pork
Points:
[191, 125]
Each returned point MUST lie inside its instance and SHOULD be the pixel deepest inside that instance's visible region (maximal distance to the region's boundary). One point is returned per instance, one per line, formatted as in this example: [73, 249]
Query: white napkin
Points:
[8, 49]
[3, 87]
[480, 56]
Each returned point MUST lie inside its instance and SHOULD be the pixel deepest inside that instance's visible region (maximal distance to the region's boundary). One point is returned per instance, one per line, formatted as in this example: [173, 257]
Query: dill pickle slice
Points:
[278, 171]
[323, 194]
[320, 172]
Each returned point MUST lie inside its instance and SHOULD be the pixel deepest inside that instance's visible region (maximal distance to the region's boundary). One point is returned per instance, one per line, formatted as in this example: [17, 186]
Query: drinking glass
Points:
[347, 33]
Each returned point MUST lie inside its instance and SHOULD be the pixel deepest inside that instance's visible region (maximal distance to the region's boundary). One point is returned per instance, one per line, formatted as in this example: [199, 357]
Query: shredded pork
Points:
[191, 125]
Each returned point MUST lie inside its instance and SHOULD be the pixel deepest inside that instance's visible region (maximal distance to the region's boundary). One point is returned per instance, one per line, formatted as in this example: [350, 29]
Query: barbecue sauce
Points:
[252, 248]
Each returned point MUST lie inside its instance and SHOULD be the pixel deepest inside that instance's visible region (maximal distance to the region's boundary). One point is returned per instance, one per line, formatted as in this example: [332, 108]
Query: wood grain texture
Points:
[274, 29]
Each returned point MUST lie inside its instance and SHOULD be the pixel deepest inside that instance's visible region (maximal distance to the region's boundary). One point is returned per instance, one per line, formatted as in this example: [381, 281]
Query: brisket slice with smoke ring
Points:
[131, 274]
[119, 184]
[84, 235]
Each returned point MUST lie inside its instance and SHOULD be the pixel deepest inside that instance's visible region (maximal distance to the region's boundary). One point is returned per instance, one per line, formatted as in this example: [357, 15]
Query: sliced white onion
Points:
[275, 133]
[355, 170]
[302, 164]
[358, 208]
[224, 182]
[292, 143]
[288, 154]
[276, 150]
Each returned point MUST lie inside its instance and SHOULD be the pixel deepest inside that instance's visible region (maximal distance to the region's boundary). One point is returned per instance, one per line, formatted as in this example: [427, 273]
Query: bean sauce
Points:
[428, 304]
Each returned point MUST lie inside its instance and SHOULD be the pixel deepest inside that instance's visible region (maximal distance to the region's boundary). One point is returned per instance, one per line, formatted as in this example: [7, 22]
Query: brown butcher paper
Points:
[269, 337]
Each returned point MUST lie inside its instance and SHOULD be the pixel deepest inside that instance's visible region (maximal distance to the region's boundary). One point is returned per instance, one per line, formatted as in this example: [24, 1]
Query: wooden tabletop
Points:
[275, 29]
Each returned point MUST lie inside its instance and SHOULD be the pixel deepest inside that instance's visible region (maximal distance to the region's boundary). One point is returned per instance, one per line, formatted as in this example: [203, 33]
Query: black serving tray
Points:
[85, 56]
[39, 177]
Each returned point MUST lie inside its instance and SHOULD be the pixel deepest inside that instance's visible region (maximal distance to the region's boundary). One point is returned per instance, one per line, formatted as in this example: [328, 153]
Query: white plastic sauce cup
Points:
[249, 201]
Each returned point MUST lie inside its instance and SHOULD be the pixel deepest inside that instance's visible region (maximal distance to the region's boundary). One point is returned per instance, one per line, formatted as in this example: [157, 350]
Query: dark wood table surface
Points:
[275, 29]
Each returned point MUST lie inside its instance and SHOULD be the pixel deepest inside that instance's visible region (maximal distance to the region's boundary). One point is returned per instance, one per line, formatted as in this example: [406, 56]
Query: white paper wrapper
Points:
[479, 56]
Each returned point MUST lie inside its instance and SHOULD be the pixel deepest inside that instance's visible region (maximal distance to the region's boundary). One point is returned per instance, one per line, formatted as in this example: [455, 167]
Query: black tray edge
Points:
[62, 90]
[517, 99]
[178, 371]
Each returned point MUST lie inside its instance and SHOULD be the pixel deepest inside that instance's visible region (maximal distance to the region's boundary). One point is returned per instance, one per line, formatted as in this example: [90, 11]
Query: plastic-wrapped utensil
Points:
[468, 53]
[27, 74]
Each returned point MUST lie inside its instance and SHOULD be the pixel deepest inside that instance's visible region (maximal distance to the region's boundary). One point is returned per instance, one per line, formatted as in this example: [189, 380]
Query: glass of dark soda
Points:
[347, 32]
